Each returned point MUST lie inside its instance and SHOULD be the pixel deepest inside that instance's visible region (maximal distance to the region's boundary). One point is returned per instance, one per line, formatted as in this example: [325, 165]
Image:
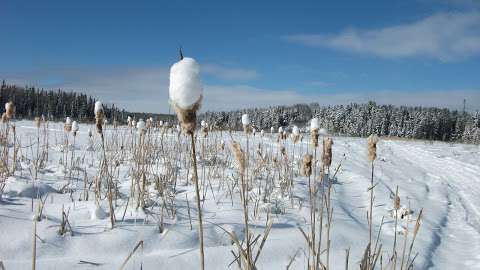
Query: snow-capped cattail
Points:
[99, 115]
[284, 135]
[134, 124]
[246, 123]
[68, 125]
[141, 125]
[75, 128]
[38, 122]
[222, 145]
[9, 109]
[327, 152]
[307, 165]
[239, 156]
[204, 128]
[295, 134]
[186, 92]
[90, 133]
[149, 123]
[254, 131]
[262, 133]
[272, 130]
[314, 126]
[372, 147]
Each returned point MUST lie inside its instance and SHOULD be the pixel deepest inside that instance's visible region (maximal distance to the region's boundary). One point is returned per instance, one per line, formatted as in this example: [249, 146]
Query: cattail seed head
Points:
[186, 91]
[37, 122]
[307, 165]
[10, 109]
[396, 204]
[372, 147]
[327, 152]
[314, 136]
[99, 115]
[68, 125]
[75, 128]
[239, 156]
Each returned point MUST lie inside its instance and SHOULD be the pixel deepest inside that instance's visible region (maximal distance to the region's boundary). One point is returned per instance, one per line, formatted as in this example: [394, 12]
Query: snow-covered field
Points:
[441, 178]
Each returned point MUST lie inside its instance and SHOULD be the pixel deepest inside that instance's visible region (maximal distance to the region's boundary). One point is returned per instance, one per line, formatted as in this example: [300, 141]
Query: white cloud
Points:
[146, 90]
[229, 73]
[443, 36]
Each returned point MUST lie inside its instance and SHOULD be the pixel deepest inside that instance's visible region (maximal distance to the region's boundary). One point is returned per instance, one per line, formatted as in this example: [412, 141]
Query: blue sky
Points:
[252, 53]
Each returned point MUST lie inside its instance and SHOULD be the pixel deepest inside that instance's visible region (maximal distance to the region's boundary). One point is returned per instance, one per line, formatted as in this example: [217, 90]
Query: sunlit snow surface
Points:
[441, 178]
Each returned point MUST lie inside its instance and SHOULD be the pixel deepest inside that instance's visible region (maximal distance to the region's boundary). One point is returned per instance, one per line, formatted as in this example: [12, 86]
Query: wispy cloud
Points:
[146, 90]
[229, 73]
[443, 36]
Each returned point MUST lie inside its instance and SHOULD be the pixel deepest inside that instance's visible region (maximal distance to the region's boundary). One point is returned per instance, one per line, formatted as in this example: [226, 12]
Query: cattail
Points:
[262, 133]
[134, 124]
[295, 134]
[141, 126]
[327, 152]
[186, 92]
[129, 121]
[90, 133]
[204, 128]
[37, 122]
[239, 156]
[314, 131]
[9, 109]
[99, 115]
[222, 145]
[372, 147]
[68, 125]
[307, 165]
[272, 130]
[75, 128]
[254, 131]
[396, 204]
[284, 135]
[246, 123]
[149, 123]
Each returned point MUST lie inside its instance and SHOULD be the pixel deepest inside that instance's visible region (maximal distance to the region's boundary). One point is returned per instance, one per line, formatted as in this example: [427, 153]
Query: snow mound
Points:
[21, 189]
[98, 213]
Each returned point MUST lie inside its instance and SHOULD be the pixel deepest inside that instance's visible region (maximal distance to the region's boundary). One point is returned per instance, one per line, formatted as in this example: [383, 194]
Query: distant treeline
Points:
[57, 105]
[351, 120]
[362, 120]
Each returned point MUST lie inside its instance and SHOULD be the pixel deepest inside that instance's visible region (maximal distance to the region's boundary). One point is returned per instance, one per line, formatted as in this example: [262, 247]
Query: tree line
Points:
[362, 120]
[351, 120]
[31, 102]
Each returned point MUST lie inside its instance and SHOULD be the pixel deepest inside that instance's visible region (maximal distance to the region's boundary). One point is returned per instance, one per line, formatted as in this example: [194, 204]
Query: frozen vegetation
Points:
[132, 202]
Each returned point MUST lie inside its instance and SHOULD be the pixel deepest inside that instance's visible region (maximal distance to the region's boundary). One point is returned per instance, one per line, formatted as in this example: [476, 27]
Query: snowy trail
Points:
[460, 228]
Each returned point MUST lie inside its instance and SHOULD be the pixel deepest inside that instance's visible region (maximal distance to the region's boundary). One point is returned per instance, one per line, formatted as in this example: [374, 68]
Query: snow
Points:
[98, 107]
[245, 120]
[141, 124]
[75, 126]
[295, 131]
[441, 178]
[314, 125]
[185, 84]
